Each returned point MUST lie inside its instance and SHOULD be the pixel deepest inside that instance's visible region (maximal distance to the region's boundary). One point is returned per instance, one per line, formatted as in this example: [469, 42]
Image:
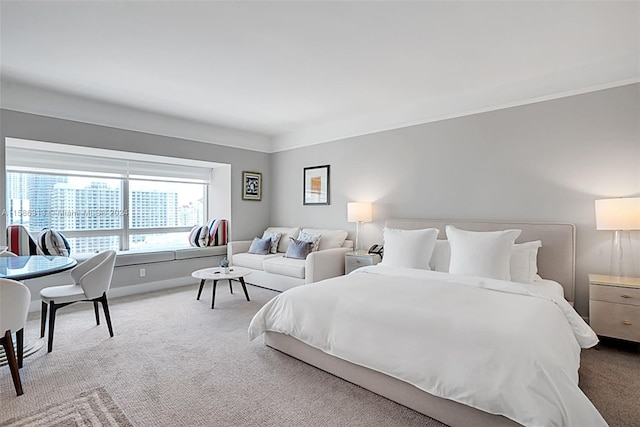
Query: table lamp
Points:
[359, 212]
[620, 216]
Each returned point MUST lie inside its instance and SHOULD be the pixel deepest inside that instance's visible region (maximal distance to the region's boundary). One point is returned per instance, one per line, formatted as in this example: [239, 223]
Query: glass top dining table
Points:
[29, 267]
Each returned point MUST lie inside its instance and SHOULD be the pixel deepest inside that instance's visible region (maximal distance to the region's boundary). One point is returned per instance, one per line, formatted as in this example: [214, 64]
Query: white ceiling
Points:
[277, 75]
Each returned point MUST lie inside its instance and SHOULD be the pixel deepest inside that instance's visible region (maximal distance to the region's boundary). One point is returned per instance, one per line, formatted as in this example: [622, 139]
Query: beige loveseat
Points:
[275, 271]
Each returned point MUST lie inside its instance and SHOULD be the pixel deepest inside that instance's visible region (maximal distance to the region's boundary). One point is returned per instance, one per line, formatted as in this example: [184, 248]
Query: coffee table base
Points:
[215, 283]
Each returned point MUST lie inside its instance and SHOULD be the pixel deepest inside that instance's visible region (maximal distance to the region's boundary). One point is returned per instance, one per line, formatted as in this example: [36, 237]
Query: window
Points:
[102, 202]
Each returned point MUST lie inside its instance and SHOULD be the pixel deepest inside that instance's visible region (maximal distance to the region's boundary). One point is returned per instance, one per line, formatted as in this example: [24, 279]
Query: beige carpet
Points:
[176, 362]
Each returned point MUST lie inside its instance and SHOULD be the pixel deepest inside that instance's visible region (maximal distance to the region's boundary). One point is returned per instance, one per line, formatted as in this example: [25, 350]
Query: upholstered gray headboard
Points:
[556, 257]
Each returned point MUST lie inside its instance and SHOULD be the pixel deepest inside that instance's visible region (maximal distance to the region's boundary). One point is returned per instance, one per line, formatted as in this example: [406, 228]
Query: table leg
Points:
[244, 288]
[200, 290]
[213, 296]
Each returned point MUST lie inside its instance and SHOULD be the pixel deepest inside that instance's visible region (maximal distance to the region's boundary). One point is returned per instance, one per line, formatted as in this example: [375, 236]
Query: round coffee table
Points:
[218, 273]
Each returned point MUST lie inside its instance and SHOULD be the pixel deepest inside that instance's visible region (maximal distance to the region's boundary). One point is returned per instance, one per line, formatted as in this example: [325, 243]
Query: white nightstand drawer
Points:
[615, 320]
[615, 294]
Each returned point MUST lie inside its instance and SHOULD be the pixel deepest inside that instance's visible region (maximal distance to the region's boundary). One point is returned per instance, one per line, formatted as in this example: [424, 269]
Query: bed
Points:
[465, 350]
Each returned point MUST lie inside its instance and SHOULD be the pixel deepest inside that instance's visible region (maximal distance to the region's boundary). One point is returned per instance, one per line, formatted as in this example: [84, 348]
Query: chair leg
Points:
[230, 287]
[7, 343]
[105, 307]
[95, 308]
[20, 344]
[52, 324]
[43, 319]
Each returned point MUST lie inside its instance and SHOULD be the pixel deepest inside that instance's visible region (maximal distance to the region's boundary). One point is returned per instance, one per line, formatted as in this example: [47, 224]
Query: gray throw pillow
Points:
[260, 246]
[298, 249]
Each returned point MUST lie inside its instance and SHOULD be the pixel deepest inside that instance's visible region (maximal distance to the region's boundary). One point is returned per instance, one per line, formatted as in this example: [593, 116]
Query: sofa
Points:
[278, 272]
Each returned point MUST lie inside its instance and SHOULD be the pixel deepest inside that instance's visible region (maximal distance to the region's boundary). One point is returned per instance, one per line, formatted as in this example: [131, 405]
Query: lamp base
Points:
[622, 260]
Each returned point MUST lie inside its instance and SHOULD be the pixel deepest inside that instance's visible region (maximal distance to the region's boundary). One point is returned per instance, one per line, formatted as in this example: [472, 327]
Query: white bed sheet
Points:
[494, 345]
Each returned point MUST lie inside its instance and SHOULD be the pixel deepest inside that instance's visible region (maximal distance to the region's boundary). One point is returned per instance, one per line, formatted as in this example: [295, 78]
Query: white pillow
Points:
[441, 256]
[330, 238]
[481, 253]
[524, 261]
[408, 248]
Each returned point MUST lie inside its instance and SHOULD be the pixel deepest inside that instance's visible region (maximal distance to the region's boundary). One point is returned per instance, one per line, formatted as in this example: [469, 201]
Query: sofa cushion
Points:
[329, 238]
[285, 267]
[252, 260]
[284, 238]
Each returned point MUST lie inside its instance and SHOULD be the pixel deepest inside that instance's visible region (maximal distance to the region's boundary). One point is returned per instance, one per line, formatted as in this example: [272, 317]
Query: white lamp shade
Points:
[359, 212]
[618, 214]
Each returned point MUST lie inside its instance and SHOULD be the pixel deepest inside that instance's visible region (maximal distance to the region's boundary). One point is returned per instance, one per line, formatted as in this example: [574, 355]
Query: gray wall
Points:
[248, 218]
[547, 161]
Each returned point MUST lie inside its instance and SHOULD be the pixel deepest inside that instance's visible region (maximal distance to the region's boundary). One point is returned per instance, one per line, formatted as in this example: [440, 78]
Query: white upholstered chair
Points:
[14, 305]
[92, 280]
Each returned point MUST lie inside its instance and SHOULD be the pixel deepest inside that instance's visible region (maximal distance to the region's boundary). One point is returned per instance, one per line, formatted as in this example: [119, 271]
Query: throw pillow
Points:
[408, 248]
[53, 243]
[217, 232]
[314, 239]
[483, 254]
[260, 246]
[286, 233]
[298, 249]
[274, 236]
[199, 236]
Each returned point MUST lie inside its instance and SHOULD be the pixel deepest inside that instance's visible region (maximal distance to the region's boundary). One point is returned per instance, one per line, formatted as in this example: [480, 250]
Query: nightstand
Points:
[353, 260]
[614, 306]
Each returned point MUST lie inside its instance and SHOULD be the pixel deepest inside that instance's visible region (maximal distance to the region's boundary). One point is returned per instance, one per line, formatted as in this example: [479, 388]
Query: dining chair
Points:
[92, 280]
[20, 242]
[14, 305]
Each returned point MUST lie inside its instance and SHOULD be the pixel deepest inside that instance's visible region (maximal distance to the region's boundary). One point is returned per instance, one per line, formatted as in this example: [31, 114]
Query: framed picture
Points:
[316, 185]
[251, 186]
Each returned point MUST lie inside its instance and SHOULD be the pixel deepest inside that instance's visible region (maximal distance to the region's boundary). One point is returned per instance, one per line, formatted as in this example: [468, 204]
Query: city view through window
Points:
[97, 213]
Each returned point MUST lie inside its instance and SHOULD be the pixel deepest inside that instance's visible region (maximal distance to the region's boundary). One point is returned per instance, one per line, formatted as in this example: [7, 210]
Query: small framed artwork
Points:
[316, 185]
[251, 186]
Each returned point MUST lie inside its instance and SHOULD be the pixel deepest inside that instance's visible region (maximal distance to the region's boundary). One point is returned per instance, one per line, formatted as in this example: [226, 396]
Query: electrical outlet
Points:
[143, 272]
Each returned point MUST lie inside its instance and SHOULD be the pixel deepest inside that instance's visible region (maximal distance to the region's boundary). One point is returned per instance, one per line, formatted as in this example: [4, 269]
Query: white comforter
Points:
[490, 344]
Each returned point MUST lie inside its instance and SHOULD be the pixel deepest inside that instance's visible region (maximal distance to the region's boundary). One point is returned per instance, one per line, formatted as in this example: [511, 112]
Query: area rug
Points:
[93, 408]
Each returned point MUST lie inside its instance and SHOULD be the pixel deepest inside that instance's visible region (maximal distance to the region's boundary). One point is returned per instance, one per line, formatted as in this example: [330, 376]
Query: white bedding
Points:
[494, 345]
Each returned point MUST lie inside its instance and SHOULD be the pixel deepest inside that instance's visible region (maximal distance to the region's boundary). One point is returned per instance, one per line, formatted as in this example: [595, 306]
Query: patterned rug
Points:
[93, 408]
